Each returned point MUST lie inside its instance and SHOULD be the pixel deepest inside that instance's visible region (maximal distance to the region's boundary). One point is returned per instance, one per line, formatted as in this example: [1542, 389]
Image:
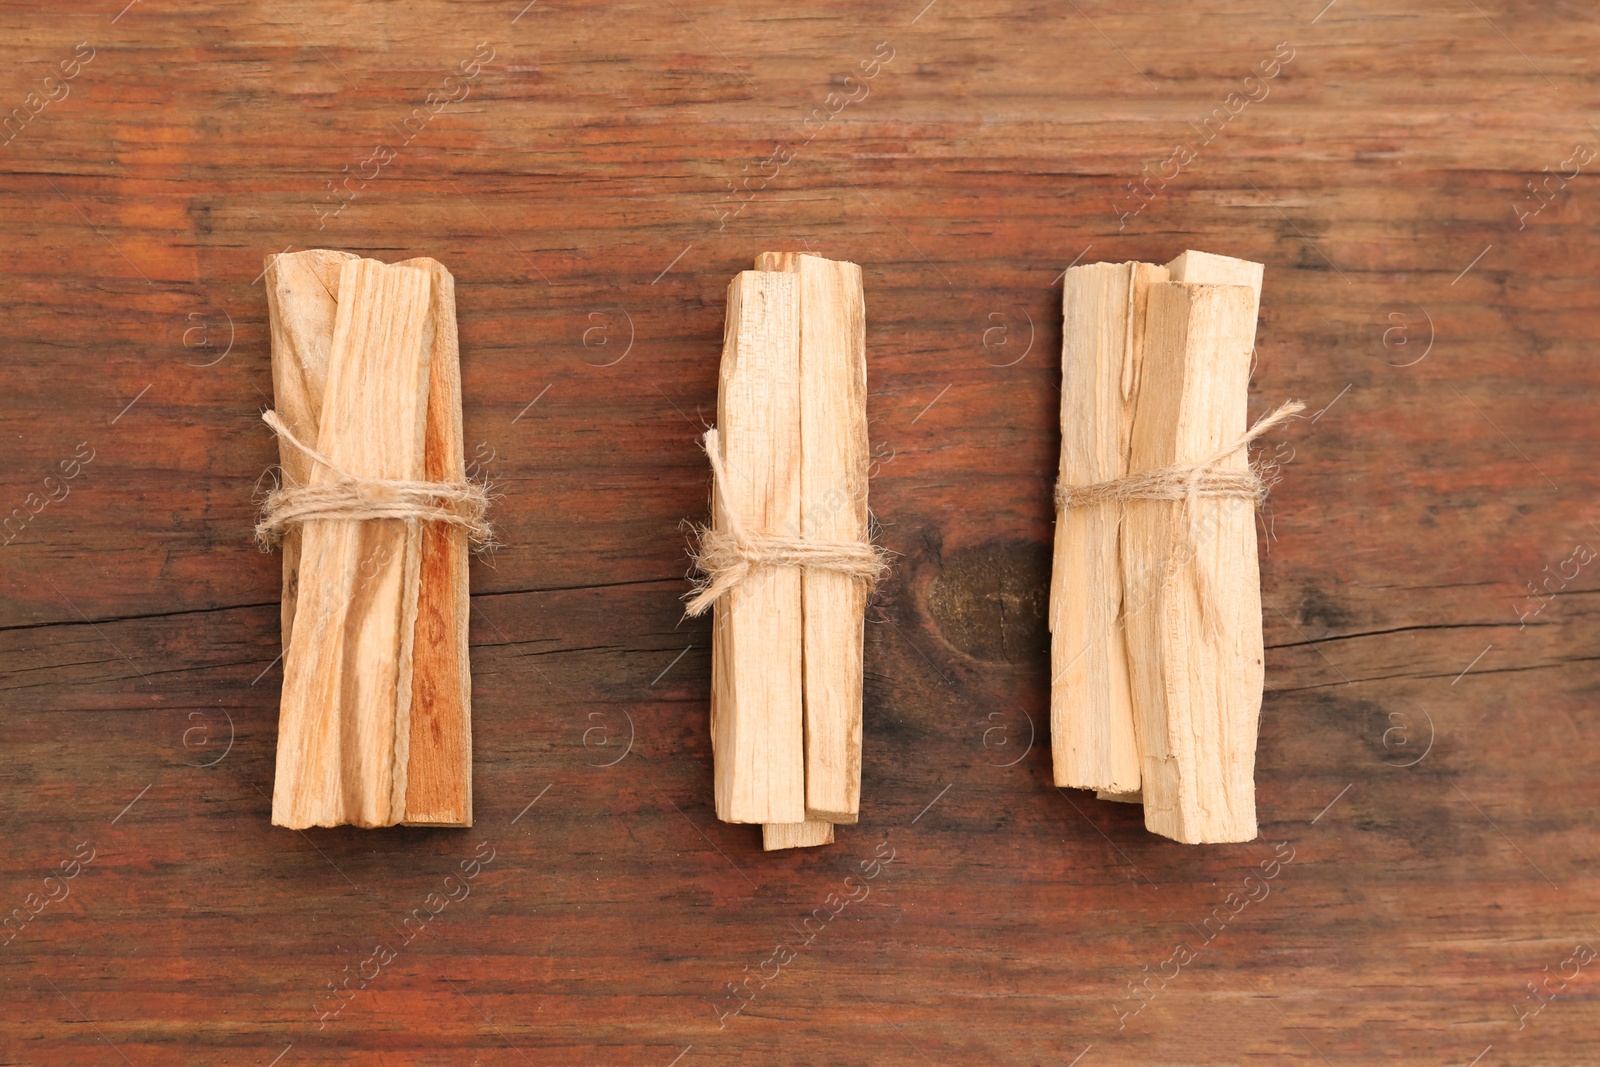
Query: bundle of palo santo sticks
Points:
[1155, 599]
[375, 517]
[787, 562]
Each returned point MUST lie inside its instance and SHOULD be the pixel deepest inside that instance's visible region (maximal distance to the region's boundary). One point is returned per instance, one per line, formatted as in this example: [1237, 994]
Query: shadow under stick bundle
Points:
[375, 517]
[1155, 597]
[786, 561]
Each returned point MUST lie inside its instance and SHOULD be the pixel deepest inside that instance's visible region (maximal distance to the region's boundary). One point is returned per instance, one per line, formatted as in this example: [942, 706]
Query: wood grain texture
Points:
[439, 756]
[833, 495]
[833, 507]
[757, 726]
[302, 298]
[1441, 821]
[303, 290]
[345, 724]
[1091, 709]
[1211, 268]
[1191, 583]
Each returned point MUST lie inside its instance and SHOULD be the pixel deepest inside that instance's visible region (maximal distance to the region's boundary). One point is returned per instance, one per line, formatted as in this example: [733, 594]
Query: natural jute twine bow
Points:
[349, 497]
[726, 555]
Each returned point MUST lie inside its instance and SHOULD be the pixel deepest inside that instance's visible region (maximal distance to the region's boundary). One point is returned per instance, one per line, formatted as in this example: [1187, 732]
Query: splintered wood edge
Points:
[302, 309]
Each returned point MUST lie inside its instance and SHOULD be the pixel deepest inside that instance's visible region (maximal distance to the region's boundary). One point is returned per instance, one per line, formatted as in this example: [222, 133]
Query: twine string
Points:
[1184, 481]
[1189, 484]
[728, 552]
[348, 497]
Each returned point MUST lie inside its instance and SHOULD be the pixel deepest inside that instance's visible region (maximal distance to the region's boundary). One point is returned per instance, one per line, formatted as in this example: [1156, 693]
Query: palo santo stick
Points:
[756, 681]
[438, 790]
[815, 830]
[344, 728]
[788, 262]
[1091, 714]
[833, 494]
[302, 297]
[808, 834]
[1192, 585]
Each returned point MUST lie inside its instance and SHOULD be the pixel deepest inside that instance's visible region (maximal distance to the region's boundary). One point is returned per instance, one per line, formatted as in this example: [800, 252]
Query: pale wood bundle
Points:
[1193, 584]
[302, 299]
[1155, 595]
[793, 440]
[375, 715]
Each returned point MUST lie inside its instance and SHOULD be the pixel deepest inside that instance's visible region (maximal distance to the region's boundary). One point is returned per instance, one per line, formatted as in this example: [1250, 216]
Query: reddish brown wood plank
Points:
[579, 192]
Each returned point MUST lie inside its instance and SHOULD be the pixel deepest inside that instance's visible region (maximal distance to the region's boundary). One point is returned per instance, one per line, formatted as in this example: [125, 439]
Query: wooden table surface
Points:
[1417, 180]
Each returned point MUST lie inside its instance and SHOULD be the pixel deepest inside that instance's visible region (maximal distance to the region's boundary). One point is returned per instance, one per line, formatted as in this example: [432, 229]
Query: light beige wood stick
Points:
[757, 727]
[808, 834]
[1093, 743]
[302, 298]
[833, 495]
[344, 725]
[439, 773]
[1192, 598]
[816, 830]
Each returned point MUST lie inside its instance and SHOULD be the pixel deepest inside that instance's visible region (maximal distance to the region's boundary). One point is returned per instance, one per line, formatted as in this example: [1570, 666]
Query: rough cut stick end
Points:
[777, 835]
[439, 774]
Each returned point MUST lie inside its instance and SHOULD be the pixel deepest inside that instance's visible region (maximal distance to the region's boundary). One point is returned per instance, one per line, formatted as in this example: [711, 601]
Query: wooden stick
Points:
[1091, 714]
[302, 298]
[833, 493]
[787, 262]
[1191, 581]
[808, 834]
[344, 726]
[756, 684]
[439, 773]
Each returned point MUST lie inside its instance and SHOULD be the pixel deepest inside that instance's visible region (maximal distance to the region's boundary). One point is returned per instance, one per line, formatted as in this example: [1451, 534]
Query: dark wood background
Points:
[1428, 746]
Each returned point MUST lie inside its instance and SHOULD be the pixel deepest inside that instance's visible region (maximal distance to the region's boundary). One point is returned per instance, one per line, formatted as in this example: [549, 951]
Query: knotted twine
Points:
[1189, 484]
[1182, 481]
[727, 555]
[348, 497]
